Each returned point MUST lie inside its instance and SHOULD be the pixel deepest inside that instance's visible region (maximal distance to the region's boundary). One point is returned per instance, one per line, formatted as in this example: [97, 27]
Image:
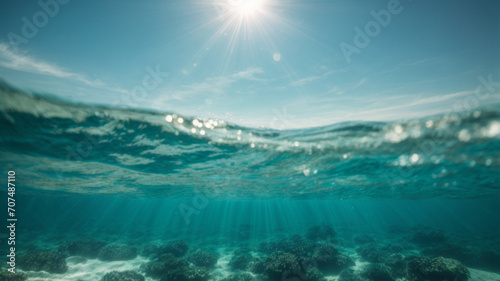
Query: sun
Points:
[246, 7]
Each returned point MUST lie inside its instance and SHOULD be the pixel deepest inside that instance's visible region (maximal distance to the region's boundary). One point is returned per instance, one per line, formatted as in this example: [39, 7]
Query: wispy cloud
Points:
[312, 78]
[213, 85]
[21, 62]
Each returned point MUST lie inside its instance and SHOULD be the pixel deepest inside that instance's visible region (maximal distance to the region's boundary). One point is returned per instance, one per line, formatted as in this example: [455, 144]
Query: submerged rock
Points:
[9, 276]
[363, 239]
[88, 248]
[296, 244]
[449, 250]
[257, 266]
[128, 275]
[330, 261]
[202, 258]
[313, 274]
[377, 272]
[428, 236]
[374, 253]
[53, 262]
[397, 264]
[436, 269]
[194, 273]
[177, 248]
[239, 277]
[162, 266]
[117, 252]
[280, 264]
[350, 275]
[169, 268]
[241, 259]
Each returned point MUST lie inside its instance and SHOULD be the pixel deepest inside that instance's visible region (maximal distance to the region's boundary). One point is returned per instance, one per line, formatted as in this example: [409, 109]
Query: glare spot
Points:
[202, 132]
[416, 133]
[494, 129]
[398, 129]
[429, 124]
[169, 118]
[193, 130]
[216, 123]
[488, 162]
[464, 135]
[277, 57]
[344, 156]
[252, 145]
[180, 120]
[296, 144]
[307, 172]
[414, 158]
[238, 138]
[196, 122]
[239, 132]
[315, 172]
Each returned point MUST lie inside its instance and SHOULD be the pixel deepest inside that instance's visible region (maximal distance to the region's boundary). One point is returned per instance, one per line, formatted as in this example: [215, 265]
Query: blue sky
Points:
[266, 63]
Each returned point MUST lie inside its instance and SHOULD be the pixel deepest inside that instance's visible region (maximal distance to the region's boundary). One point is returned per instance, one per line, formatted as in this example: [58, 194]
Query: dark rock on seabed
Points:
[128, 275]
[436, 269]
[350, 275]
[241, 259]
[117, 252]
[203, 258]
[330, 261]
[53, 262]
[87, 248]
[428, 236]
[239, 277]
[279, 264]
[376, 272]
[177, 248]
[9, 276]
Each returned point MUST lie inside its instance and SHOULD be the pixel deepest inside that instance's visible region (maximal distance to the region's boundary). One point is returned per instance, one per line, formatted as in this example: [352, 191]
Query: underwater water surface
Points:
[118, 194]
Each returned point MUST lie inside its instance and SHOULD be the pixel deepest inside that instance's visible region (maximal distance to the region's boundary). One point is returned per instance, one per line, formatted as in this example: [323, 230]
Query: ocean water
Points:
[117, 194]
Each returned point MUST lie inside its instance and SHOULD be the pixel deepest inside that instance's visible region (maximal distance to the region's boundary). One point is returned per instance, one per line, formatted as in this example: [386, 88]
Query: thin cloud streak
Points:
[20, 62]
[212, 86]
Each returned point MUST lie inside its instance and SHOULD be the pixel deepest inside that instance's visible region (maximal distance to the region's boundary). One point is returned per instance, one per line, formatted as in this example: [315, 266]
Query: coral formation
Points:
[436, 269]
[128, 275]
[376, 272]
[280, 264]
[53, 262]
[241, 259]
[203, 258]
[88, 248]
[117, 252]
[9, 276]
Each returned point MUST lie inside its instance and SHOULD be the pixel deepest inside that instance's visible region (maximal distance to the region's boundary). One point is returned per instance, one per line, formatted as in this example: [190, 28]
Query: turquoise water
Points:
[105, 189]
